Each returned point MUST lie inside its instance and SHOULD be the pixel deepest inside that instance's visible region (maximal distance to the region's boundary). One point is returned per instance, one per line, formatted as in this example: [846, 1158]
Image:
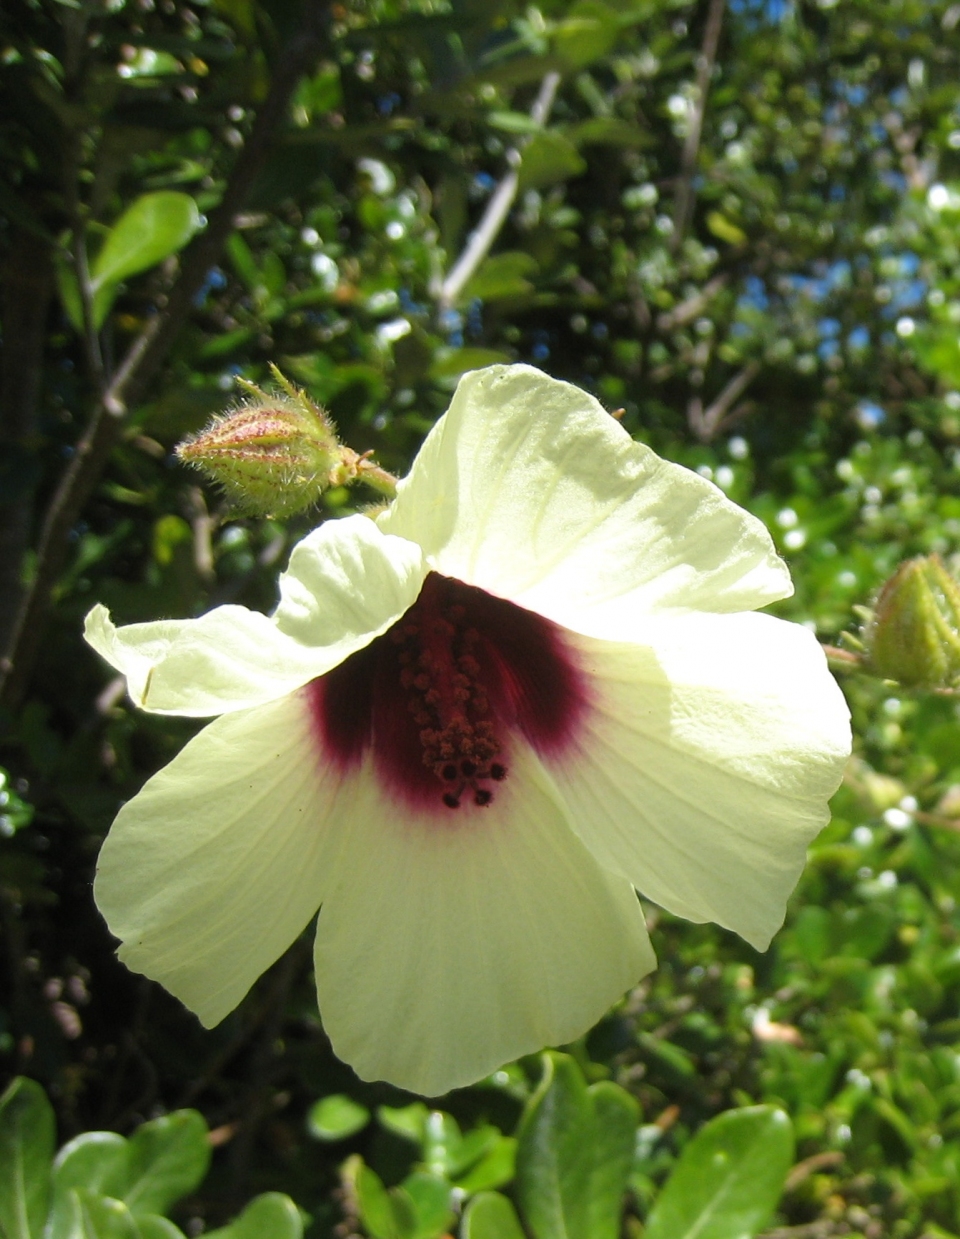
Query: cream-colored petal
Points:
[346, 584]
[217, 865]
[228, 659]
[527, 488]
[452, 946]
[706, 763]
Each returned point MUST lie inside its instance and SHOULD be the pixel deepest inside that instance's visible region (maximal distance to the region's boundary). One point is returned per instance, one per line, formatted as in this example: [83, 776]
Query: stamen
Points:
[442, 675]
[443, 696]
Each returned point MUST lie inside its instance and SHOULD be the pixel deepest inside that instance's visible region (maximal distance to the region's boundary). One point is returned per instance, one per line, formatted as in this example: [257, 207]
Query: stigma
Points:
[440, 699]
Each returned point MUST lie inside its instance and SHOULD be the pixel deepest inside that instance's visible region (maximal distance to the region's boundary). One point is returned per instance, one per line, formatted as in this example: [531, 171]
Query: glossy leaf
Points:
[26, 1153]
[494, 1169]
[430, 1197]
[442, 1141]
[490, 1216]
[548, 158]
[336, 1117]
[270, 1216]
[169, 1157]
[728, 1180]
[151, 229]
[151, 1226]
[96, 1160]
[386, 1215]
[81, 1214]
[616, 1117]
[553, 1174]
[155, 226]
[406, 1121]
[587, 32]
[501, 275]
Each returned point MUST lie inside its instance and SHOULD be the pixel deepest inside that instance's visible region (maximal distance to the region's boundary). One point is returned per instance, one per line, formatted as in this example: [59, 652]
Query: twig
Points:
[147, 355]
[938, 821]
[203, 525]
[483, 236]
[705, 424]
[688, 310]
[802, 1171]
[683, 205]
[918, 173]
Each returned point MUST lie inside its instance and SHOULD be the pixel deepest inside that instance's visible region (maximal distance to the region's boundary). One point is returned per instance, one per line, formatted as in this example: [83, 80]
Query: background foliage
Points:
[739, 225]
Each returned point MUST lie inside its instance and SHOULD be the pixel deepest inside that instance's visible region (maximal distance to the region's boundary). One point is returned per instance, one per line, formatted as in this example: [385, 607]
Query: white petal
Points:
[453, 946]
[707, 762]
[219, 863]
[346, 584]
[527, 488]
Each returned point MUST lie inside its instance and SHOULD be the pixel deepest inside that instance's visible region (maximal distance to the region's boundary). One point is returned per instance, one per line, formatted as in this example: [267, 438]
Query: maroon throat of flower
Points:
[441, 698]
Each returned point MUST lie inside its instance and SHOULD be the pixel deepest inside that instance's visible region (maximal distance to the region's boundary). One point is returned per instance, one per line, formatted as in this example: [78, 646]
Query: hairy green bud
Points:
[276, 453]
[914, 634]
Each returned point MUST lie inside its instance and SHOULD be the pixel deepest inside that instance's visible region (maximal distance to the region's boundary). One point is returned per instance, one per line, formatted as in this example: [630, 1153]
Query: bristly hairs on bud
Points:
[277, 452]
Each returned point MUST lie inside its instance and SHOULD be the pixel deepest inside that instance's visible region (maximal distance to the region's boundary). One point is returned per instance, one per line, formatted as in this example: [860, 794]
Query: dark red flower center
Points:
[440, 698]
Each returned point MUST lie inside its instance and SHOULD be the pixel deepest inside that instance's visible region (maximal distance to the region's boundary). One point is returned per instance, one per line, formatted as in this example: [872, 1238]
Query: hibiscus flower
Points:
[471, 730]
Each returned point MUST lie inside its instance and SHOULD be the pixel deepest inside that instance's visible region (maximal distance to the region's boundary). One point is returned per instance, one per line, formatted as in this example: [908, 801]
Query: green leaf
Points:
[154, 227]
[608, 130]
[80, 1214]
[270, 1216]
[336, 1117]
[476, 1144]
[494, 1169]
[406, 1121]
[500, 275]
[442, 1142]
[430, 1197]
[575, 1154]
[728, 1180]
[169, 1157]
[553, 1174]
[69, 289]
[616, 1118]
[153, 1227]
[513, 122]
[96, 1160]
[386, 1215]
[548, 158]
[243, 261]
[725, 229]
[588, 32]
[490, 1216]
[27, 1141]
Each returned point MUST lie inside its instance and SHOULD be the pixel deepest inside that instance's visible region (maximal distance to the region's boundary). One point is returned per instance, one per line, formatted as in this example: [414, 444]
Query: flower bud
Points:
[914, 636]
[274, 453]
